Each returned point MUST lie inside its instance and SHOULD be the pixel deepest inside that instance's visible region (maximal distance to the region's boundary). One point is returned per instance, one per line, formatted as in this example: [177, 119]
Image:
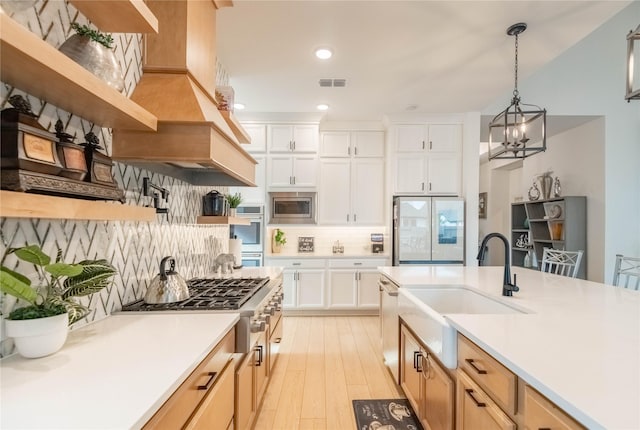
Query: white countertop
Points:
[254, 272]
[113, 374]
[580, 346]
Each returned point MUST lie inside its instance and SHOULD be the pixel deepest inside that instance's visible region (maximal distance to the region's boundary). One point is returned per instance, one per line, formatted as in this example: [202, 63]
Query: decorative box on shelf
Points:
[71, 155]
[26, 144]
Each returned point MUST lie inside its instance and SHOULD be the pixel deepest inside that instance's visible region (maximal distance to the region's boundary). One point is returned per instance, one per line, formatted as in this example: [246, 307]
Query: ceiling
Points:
[397, 56]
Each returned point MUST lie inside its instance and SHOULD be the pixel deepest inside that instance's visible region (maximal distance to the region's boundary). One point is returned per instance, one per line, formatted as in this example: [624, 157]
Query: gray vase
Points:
[96, 58]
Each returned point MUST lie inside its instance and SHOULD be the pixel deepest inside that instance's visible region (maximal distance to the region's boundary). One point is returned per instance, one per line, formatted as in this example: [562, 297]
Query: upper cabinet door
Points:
[280, 171]
[280, 137]
[410, 174]
[410, 138]
[258, 134]
[305, 171]
[305, 138]
[367, 185]
[334, 195]
[445, 138]
[368, 143]
[335, 144]
[293, 138]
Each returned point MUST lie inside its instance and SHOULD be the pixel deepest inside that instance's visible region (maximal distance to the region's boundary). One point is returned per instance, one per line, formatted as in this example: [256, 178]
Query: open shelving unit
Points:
[31, 64]
[15, 204]
[558, 223]
[228, 220]
[118, 16]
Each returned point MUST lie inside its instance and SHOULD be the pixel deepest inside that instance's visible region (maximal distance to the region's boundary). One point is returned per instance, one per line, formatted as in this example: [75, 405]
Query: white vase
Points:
[38, 337]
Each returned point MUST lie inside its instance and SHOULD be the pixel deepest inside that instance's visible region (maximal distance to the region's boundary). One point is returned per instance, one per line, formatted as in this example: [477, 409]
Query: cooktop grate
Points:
[208, 294]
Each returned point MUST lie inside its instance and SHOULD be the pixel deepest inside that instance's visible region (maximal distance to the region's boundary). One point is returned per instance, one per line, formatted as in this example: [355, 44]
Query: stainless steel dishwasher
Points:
[389, 325]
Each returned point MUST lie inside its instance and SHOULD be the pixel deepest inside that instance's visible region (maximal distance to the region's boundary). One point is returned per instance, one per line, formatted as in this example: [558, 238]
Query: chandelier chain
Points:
[515, 90]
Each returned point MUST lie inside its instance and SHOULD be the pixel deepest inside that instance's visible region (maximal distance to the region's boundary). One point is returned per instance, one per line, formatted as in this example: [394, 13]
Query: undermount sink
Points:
[424, 308]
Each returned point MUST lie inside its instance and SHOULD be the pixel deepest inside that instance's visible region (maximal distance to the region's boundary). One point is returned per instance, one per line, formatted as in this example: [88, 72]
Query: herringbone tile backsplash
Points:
[134, 248]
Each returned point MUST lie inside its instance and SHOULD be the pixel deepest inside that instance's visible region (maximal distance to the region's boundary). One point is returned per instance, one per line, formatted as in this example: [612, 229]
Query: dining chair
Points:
[626, 273]
[565, 263]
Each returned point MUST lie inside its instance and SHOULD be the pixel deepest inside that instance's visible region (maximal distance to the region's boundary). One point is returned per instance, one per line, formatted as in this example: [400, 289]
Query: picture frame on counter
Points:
[306, 244]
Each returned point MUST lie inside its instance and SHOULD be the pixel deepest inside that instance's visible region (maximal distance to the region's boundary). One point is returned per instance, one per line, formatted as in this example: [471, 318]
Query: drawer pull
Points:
[295, 264]
[544, 428]
[478, 404]
[212, 377]
[416, 356]
[479, 371]
[259, 349]
[357, 264]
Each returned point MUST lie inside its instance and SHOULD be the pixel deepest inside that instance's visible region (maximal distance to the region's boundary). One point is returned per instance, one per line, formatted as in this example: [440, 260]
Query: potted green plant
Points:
[94, 51]
[279, 240]
[40, 328]
[234, 201]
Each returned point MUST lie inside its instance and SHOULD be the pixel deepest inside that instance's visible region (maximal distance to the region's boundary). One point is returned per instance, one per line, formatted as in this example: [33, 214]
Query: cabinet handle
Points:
[277, 340]
[290, 146]
[296, 264]
[259, 350]
[347, 217]
[294, 145]
[355, 217]
[430, 145]
[417, 355]
[358, 263]
[478, 404]
[207, 385]
[422, 186]
[478, 370]
[349, 151]
[294, 180]
[355, 151]
[429, 186]
[423, 144]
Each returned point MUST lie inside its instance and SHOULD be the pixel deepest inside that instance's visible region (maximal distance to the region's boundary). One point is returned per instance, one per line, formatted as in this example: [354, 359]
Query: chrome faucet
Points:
[507, 287]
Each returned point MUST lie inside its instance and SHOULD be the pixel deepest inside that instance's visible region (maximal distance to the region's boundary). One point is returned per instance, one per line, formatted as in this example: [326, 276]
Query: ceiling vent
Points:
[333, 82]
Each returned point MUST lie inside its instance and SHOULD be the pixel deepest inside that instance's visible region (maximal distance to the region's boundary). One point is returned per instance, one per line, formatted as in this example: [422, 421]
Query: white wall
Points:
[589, 79]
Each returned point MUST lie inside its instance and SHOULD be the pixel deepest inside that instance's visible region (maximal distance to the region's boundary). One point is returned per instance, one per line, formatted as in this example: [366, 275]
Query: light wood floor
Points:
[324, 363]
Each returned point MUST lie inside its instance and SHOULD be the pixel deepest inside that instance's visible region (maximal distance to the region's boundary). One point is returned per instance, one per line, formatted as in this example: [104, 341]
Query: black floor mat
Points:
[385, 414]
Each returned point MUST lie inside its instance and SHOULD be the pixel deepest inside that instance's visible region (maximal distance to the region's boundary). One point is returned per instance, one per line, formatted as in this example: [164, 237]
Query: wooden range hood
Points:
[193, 141]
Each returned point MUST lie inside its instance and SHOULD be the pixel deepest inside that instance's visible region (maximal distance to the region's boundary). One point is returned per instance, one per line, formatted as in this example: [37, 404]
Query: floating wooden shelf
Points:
[31, 64]
[15, 204]
[118, 16]
[239, 132]
[222, 220]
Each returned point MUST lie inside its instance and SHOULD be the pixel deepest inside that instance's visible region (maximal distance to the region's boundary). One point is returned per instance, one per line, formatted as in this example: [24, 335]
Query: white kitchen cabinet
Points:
[258, 135]
[431, 138]
[352, 144]
[428, 159]
[303, 282]
[292, 171]
[255, 194]
[309, 286]
[292, 138]
[353, 283]
[351, 191]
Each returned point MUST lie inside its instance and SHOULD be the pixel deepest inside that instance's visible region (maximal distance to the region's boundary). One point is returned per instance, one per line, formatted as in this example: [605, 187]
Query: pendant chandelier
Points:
[520, 130]
[633, 65]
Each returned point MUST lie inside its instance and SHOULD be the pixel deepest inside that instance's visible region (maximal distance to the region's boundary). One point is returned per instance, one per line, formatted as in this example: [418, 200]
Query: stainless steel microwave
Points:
[292, 208]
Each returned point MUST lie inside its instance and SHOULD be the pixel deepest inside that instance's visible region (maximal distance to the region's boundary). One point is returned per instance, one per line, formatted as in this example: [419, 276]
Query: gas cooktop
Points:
[208, 294]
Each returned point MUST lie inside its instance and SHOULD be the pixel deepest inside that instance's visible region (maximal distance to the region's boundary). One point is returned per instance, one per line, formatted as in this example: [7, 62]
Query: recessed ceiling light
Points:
[324, 53]
[323, 107]
[238, 106]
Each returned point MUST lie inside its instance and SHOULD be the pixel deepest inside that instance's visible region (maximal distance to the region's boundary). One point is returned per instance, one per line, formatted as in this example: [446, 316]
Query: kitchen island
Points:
[112, 374]
[578, 344]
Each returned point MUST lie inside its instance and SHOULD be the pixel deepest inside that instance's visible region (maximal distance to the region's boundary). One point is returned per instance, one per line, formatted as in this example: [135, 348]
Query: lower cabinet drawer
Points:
[476, 410]
[216, 410]
[486, 371]
[540, 413]
[177, 410]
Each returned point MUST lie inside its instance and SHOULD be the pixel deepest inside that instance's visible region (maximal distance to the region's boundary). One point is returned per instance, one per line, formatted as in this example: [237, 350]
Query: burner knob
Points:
[265, 318]
[270, 310]
[258, 326]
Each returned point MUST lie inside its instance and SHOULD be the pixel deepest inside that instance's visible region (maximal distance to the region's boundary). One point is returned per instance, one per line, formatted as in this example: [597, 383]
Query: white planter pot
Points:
[38, 337]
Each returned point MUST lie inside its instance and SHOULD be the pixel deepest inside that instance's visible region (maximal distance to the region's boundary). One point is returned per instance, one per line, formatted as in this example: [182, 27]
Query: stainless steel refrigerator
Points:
[428, 230]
